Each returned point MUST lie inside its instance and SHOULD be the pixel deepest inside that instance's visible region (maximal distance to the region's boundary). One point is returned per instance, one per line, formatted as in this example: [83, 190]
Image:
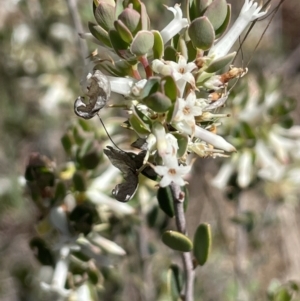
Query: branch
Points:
[72, 5]
[178, 197]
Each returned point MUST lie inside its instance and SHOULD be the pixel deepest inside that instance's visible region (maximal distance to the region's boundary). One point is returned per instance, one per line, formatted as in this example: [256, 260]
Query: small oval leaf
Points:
[99, 33]
[220, 63]
[123, 31]
[79, 181]
[177, 241]
[216, 13]
[158, 102]
[165, 200]
[202, 243]
[142, 43]
[158, 46]
[202, 33]
[104, 15]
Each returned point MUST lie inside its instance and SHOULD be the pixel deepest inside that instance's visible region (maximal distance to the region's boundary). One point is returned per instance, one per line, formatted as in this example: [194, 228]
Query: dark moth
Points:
[129, 164]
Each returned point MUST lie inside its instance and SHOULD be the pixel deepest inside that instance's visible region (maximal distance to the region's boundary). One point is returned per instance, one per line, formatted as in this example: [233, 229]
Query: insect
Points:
[98, 91]
[128, 164]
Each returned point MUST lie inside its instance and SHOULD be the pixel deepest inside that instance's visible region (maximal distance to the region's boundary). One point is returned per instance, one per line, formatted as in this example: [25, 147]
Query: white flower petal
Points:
[175, 26]
[165, 181]
[178, 180]
[249, 13]
[183, 170]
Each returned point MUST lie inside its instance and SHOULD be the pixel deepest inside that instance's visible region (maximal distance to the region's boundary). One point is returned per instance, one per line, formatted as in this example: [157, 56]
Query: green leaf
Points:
[142, 43]
[169, 87]
[123, 31]
[158, 46]
[186, 197]
[158, 102]
[138, 126]
[201, 6]
[192, 52]
[177, 241]
[105, 15]
[202, 33]
[170, 54]
[144, 17]
[132, 19]
[173, 282]
[202, 243]
[219, 32]
[165, 200]
[191, 12]
[117, 42]
[283, 295]
[172, 112]
[152, 86]
[144, 119]
[121, 68]
[67, 142]
[99, 33]
[79, 181]
[178, 277]
[182, 143]
[60, 192]
[287, 122]
[220, 63]
[247, 130]
[94, 276]
[217, 13]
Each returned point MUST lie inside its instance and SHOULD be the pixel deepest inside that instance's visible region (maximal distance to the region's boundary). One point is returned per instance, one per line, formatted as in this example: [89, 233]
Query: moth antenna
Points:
[273, 13]
[108, 133]
[240, 49]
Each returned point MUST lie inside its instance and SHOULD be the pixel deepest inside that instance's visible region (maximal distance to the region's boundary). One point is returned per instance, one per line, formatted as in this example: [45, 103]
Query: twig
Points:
[178, 197]
[72, 5]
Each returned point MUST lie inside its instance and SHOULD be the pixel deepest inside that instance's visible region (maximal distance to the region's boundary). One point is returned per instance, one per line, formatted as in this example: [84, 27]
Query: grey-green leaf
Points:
[142, 43]
[202, 33]
[202, 243]
[165, 200]
[216, 13]
[177, 241]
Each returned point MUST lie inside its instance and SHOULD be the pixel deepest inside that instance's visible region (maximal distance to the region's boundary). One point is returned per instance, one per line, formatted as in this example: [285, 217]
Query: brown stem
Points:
[178, 197]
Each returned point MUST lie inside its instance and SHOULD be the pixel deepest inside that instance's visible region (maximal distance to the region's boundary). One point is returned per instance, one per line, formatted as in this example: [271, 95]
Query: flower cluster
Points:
[171, 79]
[263, 131]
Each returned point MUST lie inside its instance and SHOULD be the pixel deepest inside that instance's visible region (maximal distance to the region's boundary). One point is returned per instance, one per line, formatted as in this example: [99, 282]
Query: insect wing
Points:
[126, 164]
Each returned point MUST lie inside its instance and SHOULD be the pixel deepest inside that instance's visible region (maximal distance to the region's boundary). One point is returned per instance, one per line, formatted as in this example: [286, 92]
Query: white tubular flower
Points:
[282, 146]
[221, 180]
[138, 87]
[171, 172]
[122, 85]
[181, 71]
[271, 169]
[175, 25]
[250, 12]
[60, 274]
[213, 139]
[59, 220]
[207, 136]
[188, 109]
[166, 144]
[245, 168]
